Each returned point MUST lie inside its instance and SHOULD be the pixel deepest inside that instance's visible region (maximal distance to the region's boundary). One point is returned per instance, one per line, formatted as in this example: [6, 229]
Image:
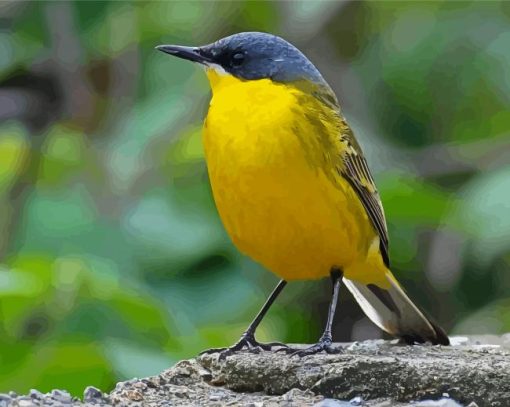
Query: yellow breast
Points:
[271, 153]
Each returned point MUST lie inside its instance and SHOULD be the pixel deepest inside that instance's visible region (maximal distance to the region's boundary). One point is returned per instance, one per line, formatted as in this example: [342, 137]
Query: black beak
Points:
[190, 53]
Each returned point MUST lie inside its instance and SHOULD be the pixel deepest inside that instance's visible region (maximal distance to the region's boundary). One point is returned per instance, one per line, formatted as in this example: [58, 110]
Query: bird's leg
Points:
[326, 340]
[247, 339]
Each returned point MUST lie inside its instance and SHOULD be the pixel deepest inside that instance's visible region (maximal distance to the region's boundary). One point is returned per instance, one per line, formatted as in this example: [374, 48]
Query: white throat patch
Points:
[217, 68]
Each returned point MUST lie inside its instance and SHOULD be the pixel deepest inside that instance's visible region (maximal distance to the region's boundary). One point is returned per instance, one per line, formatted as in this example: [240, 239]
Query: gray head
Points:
[250, 56]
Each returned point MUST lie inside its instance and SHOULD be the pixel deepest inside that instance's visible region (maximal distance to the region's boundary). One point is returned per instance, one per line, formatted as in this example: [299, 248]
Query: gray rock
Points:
[92, 395]
[445, 402]
[62, 396]
[333, 403]
[376, 370]
[473, 372]
[4, 400]
[356, 401]
[35, 394]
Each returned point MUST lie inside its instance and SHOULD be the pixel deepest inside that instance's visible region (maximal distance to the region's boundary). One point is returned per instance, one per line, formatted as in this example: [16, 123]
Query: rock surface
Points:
[371, 373]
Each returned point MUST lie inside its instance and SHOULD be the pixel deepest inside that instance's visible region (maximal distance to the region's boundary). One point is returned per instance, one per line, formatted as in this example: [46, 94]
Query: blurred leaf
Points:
[256, 15]
[25, 286]
[72, 301]
[63, 154]
[154, 117]
[56, 364]
[491, 319]
[482, 214]
[171, 231]
[412, 200]
[186, 21]
[185, 157]
[431, 83]
[130, 360]
[26, 39]
[14, 147]
[403, 244]
[59, 213]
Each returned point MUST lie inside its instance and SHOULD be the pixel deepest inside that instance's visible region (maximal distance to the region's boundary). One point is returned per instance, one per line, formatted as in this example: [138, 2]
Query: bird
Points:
[293, 188]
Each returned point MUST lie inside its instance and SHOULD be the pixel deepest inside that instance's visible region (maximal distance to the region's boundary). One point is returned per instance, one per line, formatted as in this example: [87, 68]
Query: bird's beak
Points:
[190, 53]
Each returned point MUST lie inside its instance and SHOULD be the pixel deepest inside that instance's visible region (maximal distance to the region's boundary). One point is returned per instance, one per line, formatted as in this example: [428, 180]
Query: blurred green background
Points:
[113, 262]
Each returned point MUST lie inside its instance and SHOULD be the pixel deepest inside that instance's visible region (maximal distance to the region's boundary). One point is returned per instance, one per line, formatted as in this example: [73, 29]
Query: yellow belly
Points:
[279, 200]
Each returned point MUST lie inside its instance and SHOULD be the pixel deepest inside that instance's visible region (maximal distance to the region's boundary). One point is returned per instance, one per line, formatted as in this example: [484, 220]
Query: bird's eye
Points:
[237, 59]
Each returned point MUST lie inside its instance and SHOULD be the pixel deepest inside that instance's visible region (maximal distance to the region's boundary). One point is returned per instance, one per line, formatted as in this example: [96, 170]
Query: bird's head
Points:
[251, 56]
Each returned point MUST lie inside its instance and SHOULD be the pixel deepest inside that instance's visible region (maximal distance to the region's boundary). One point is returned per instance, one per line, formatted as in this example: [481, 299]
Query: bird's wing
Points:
[353, 167]
[355, 170]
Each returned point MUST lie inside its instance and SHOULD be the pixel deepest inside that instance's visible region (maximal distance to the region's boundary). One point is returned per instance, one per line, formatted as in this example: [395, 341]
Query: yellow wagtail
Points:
[291, 184]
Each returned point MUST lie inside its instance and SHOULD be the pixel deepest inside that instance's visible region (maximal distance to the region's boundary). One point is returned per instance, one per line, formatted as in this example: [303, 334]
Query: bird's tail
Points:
[392, 310]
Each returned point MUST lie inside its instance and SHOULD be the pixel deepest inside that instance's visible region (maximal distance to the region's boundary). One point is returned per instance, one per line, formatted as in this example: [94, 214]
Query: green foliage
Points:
[113, 262]
[60, 317]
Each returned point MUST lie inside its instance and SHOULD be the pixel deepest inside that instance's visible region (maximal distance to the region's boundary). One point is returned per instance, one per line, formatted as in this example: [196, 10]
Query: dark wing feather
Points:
[355, 170]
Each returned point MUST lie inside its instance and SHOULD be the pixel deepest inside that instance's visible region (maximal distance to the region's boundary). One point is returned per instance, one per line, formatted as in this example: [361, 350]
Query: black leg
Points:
[326, 340]
[248, 340]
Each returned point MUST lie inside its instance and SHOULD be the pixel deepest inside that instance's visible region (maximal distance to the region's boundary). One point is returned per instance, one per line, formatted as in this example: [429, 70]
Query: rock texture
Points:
[371, 373]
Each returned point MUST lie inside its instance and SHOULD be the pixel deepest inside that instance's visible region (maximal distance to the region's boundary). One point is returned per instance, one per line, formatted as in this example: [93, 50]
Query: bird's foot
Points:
[325, 344]
[247, 342]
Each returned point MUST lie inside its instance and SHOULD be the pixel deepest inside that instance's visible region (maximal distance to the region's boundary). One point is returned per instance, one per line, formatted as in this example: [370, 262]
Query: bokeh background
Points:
[113, 262]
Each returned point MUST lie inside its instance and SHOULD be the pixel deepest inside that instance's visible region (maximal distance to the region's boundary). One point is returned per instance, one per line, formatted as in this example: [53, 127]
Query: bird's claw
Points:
[324, 345]
[247, 342]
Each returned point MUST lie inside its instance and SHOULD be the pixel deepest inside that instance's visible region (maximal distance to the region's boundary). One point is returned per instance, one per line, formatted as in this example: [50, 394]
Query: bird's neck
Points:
[219, 80]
